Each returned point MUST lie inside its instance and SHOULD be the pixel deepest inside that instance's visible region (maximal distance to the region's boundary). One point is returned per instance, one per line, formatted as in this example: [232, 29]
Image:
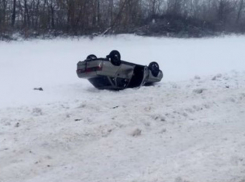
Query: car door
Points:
[123, 75]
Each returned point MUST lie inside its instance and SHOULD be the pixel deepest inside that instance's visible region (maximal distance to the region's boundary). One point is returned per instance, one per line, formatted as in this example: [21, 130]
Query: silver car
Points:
[114, 74]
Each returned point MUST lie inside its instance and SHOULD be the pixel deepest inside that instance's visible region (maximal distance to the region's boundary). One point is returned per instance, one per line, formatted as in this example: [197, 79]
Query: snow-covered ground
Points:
[188, 128]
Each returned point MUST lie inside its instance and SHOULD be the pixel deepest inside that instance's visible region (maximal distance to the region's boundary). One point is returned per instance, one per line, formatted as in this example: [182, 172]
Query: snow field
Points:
[188, 128]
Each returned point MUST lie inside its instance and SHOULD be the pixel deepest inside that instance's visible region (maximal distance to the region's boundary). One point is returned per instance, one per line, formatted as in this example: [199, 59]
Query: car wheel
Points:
[91, 57]
[154, 67]
[115, 58]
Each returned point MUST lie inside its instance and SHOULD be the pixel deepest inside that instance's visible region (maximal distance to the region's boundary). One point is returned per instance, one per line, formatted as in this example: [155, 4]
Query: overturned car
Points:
[114, 74]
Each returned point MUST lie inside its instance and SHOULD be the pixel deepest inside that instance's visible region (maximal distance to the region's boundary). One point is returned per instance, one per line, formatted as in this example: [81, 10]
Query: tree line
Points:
[92, 17]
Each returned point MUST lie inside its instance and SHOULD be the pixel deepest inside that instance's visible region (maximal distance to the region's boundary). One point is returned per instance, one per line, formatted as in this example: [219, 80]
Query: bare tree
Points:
[224, 9]
[240, 9]
[14, 13]
[174, 7]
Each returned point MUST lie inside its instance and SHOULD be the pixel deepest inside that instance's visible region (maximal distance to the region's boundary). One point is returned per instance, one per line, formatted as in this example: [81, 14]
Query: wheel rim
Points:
[91, 57]
[154, 67]
[115, 58]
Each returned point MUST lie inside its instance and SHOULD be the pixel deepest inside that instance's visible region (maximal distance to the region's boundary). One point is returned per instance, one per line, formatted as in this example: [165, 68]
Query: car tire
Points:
[91, 57]
[115, 58]
[154, 67]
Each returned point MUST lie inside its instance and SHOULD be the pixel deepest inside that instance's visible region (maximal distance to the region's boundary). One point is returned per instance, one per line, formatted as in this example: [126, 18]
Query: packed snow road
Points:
[186, 129]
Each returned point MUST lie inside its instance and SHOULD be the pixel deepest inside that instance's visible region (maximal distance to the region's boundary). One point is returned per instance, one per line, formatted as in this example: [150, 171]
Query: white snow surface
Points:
[188, 128]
